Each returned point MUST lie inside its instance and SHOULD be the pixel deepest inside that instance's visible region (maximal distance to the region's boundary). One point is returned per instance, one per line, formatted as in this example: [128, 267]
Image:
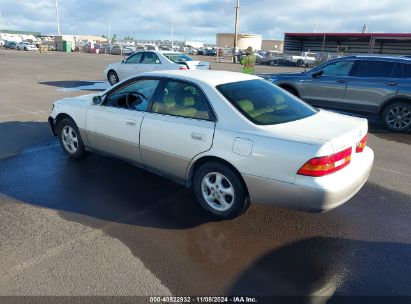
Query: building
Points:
[243, 41]
[348, 43]
[272, 45]
[18, 36]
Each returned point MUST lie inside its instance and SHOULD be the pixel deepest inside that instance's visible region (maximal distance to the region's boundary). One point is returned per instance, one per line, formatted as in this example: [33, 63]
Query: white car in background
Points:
[235, 138]
[26, 46]
[147, 61]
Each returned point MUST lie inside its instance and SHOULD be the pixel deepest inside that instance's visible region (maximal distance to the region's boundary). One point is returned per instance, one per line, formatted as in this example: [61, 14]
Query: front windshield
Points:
[178, 57]
[264, 103]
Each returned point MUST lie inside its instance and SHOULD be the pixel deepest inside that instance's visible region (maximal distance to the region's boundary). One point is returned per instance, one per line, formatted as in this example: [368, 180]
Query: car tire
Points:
[397, 117]
[220, 191]
[272, 63]
[112, 77]
[70, 139]
[300, 63]
[291, 91]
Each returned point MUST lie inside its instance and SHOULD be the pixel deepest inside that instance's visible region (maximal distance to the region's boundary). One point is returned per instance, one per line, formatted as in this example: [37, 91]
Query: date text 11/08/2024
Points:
[203, 300]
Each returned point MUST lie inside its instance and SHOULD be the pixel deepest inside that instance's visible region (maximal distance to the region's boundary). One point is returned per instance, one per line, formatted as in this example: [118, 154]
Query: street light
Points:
[237, 12]
[57, 19]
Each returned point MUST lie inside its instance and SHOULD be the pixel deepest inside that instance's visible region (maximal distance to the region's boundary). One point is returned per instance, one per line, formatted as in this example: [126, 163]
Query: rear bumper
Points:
[313, 194]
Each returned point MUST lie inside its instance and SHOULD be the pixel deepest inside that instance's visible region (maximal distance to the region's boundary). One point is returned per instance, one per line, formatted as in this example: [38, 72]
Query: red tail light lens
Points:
[362, 144]
[183, 67]
[325, 165]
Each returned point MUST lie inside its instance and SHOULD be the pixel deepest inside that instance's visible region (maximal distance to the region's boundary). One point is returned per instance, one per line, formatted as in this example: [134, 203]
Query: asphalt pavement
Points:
[101, 227]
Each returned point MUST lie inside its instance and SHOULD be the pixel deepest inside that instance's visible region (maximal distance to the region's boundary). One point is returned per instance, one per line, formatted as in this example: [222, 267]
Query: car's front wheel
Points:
[219, 190]
[397, 117]
[70, 139]
[112, 77]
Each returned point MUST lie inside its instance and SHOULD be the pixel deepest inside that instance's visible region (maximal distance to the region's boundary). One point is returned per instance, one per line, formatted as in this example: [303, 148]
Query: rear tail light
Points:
[362, 144]
[183, 67]
[325, 165]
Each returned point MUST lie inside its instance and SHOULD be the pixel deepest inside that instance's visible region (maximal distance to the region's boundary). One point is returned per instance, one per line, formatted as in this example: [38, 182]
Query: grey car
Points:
[368, 85]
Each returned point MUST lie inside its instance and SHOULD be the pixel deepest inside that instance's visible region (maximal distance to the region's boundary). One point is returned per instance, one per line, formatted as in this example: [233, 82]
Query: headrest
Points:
[245, 105]
[189, 101]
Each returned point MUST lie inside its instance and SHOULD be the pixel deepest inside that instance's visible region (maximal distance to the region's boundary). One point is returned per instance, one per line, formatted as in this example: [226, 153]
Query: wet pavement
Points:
[103, 227]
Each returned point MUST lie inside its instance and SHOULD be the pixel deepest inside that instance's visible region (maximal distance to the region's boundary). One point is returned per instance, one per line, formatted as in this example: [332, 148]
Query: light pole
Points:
[57, 18]
[237, 12]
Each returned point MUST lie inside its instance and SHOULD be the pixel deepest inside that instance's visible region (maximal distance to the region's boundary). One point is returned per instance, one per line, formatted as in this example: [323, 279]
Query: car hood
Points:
[340, 130]
[78, 100]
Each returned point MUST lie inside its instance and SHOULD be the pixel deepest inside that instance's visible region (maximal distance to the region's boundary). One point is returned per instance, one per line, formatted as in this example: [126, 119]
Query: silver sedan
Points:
[234, 138]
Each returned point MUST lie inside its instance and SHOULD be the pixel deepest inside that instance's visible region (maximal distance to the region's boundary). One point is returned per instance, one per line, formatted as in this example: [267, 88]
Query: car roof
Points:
[212, 78]
[377, 58]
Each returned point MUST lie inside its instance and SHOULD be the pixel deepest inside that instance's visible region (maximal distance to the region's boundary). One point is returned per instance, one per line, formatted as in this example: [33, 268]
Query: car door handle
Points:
[197, 136]
[130, 123]
[342, 81]
[391, 84]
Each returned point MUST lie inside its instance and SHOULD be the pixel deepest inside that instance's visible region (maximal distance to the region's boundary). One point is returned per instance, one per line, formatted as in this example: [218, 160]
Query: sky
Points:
[202, 19]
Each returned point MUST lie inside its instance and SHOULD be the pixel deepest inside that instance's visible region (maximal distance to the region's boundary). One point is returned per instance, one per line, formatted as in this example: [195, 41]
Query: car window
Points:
[134, 96]
[150, 58]
[177, 57]
[136, 58]
[181, 99]
[338, 68]
[384, 69]
[264, 103]
[407, 70]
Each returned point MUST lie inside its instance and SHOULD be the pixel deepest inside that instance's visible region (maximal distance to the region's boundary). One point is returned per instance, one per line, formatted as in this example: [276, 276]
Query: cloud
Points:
[202, 19]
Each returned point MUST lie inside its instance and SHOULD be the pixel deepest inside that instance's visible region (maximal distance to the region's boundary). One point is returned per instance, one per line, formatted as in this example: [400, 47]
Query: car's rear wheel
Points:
[290, 90]
[70, 139]
[219, 190]
[272, 63]
[300, 63]
[397, 117]
[112, 77]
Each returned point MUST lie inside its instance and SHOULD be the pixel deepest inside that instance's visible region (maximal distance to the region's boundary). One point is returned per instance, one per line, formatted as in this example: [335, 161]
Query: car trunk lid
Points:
[341, 131]
[197, 65]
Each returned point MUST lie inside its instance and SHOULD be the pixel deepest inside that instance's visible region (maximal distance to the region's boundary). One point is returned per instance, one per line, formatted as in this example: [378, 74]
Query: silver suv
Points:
[369, 85]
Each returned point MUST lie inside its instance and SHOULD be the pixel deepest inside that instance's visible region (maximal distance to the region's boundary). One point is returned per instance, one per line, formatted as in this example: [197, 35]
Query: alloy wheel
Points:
[70, 139]
[399, 117]
[217, 191]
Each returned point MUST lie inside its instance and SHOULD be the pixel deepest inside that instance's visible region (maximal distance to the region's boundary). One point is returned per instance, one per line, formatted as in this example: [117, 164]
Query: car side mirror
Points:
[97, 100]
[317, 74]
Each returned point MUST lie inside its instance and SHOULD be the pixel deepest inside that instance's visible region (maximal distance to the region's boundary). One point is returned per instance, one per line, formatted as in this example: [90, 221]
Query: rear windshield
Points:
[178, 57]
[264, 103]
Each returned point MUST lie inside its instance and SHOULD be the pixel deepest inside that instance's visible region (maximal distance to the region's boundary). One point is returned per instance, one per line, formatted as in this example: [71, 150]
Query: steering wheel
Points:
[136, 95]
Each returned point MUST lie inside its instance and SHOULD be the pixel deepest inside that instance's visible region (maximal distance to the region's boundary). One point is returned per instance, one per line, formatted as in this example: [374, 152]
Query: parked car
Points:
[374, 86]
[26, 46]
[147, 61]
[10, 45]
[235, 138]
[304, 60]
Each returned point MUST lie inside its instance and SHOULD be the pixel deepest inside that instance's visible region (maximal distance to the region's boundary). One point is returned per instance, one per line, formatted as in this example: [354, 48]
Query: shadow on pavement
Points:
[327, 267]
[77, 85]
[378, 129]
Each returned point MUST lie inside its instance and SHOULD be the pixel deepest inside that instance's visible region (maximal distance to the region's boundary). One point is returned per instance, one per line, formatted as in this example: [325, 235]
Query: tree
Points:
[114, 39]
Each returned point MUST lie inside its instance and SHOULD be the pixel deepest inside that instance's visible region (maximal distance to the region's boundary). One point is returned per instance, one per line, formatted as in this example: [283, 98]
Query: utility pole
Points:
[237, 12]
[172, 34]
[315, 25]
[57, 19]
[1, 21]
